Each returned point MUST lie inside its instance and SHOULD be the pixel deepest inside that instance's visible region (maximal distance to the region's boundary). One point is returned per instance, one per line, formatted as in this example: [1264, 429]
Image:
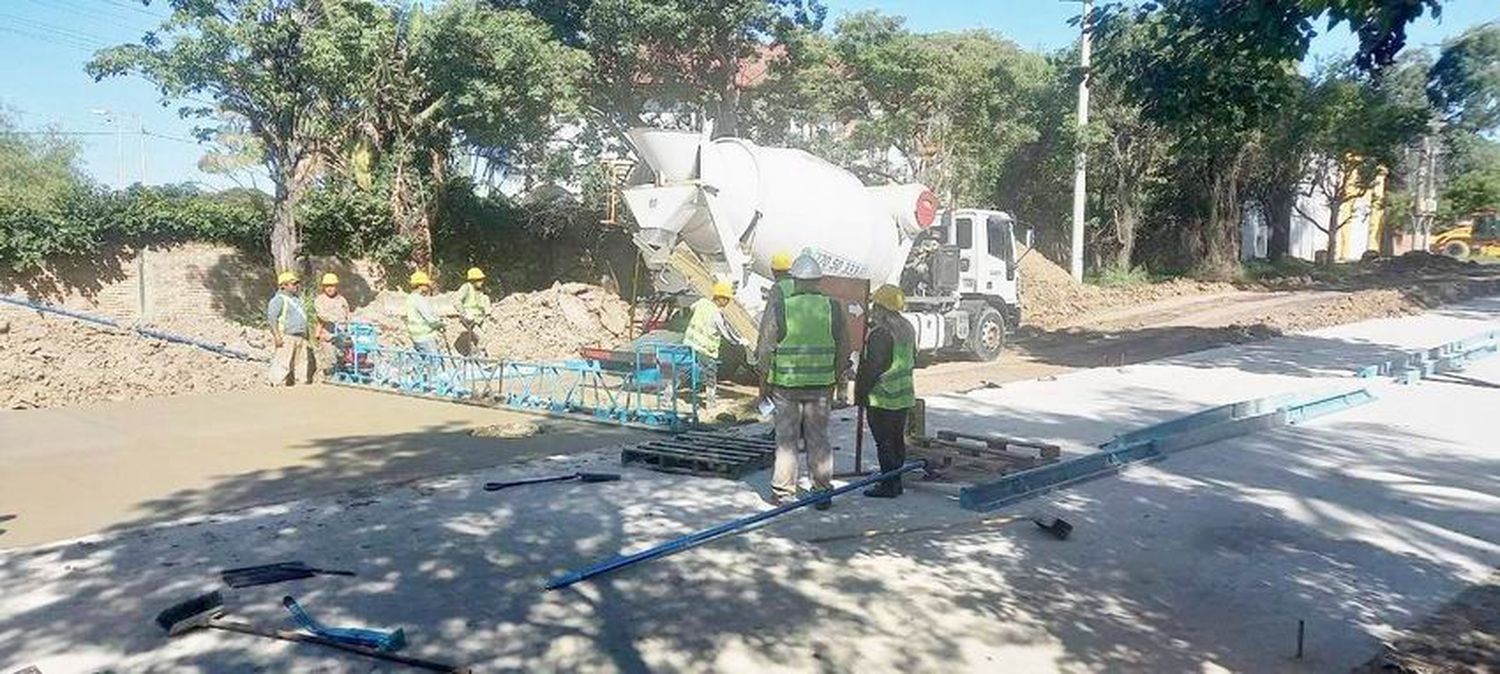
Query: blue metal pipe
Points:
[695, 539]
[144, 332]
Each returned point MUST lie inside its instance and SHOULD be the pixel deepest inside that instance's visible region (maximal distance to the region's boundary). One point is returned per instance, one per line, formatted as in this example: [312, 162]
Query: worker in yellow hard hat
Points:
[884, 383]
[288, 322]
[422, 323]
[473, 309]
[706, 329]
[332, 310]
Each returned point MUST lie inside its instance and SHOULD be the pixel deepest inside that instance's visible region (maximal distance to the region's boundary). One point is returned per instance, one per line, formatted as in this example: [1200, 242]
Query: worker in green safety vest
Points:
[706, 329]
[799, 347]
[884, 384]
[473, 309]
[422, 323]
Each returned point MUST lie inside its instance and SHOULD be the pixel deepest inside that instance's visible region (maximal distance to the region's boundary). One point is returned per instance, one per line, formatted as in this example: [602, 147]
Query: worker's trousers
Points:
[889, 429]
[802, 420]
[289, 362]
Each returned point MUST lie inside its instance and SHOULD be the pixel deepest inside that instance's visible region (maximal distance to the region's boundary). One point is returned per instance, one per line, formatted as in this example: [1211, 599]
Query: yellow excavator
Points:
[1476, 235]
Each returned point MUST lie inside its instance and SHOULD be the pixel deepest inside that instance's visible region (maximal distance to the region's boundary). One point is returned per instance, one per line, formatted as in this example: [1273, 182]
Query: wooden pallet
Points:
[703, 453]
[961, 455]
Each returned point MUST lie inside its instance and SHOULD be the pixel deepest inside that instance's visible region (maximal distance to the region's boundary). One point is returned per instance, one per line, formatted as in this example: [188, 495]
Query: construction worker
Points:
[884, 384]
[800, 342]
[473, 309]
[781, 283]
[288, 320]
[422, 323]
[332, 309]
[705, 330]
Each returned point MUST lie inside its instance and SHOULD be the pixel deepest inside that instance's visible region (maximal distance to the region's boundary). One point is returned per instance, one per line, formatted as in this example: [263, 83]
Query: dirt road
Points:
[1168, 327]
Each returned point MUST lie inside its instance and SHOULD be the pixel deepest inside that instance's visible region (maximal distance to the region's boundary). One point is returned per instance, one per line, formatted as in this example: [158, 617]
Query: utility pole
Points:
[1080, 159]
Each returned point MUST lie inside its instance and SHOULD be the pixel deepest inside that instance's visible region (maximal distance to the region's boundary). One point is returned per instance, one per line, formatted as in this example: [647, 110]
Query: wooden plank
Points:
[726, 454]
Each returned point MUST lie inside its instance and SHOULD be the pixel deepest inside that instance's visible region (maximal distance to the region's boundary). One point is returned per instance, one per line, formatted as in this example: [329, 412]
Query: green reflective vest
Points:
[473, 303]
[702, 333]
[893, 389]
[786, 287]
[417, 326]
[806, 356]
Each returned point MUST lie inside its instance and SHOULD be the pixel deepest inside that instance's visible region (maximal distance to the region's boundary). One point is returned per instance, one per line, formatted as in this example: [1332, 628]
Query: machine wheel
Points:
[1456, 249]
[987, 335]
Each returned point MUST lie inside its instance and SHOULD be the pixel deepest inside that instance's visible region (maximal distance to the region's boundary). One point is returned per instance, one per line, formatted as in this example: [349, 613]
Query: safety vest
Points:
[417, 326]
[893, 389]
[289, 303]
[702, 333]
[473, 302]
[785, 286]
[806, 356]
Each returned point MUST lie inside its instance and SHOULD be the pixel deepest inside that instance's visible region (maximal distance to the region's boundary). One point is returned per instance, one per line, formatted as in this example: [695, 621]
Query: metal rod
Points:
[1301, 629]
[695, 539]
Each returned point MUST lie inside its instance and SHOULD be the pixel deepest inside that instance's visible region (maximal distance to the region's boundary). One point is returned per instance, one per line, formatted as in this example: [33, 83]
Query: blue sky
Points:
[44, 44]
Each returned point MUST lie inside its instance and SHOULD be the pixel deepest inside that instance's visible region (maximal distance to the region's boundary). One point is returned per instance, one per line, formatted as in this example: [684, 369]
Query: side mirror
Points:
[963, 265]
[1030, 235]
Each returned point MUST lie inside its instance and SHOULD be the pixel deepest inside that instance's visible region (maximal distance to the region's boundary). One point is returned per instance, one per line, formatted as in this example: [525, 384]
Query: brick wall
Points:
[183, 280]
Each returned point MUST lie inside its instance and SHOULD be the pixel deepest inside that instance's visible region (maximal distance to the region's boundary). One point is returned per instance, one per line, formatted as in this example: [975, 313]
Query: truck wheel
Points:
[987, 336]
[1456, 249]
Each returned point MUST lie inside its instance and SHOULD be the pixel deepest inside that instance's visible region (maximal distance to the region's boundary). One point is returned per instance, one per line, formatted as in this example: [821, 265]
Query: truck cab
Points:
[961, 283]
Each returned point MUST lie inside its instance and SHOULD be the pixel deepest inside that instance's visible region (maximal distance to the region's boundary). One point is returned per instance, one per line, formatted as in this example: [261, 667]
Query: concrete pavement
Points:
[77, 470]
[1357, 524]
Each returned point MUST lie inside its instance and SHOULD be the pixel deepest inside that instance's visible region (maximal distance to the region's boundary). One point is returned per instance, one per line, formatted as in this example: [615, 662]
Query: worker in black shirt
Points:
[884, 385]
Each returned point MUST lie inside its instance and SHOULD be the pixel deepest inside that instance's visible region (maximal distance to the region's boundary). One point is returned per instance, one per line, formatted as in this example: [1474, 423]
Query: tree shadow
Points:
[86, 276]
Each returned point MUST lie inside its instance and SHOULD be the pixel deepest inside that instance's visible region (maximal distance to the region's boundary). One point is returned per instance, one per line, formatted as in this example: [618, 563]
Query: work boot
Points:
[883, 490]
[824, 504]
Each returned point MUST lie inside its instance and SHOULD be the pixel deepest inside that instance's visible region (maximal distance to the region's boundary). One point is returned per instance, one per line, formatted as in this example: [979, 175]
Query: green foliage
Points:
[35, 170]
[1121, 277]
[1470, 193]
[1465, 80]
[82, 221]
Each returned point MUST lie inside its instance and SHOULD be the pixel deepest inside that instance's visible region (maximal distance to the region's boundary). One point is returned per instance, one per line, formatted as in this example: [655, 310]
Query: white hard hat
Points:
[806, 268]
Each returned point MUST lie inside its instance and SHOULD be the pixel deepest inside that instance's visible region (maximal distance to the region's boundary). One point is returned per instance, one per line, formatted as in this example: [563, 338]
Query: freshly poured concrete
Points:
[1356, 524]
[72, 471]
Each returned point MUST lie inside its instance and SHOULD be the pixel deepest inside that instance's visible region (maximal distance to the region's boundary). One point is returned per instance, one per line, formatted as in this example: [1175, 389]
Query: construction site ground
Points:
[1356, 524]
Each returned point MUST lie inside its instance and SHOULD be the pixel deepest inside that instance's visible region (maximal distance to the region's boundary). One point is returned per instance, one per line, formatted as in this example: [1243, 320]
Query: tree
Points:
[1354, 133]
[680, 57]
[1464, 83]
[1215, 72]
[36, 170]
[284, 66]
[463, 77]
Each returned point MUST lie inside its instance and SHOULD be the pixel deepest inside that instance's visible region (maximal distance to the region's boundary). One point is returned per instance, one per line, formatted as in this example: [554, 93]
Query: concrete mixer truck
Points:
[736, 204]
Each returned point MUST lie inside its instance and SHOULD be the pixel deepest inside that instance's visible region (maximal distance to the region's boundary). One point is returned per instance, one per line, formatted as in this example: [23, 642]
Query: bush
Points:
[81, 221]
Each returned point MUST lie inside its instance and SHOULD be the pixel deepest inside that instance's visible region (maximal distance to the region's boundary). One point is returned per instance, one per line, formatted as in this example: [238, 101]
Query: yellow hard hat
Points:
[723, 289]
[781, 262]
[475, 274]
[419, 278]
[890, 297]
[330, 279]
[286, 277]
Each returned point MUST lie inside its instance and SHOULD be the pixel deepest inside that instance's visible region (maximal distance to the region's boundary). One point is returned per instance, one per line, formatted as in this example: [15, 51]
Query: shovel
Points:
[581, 477]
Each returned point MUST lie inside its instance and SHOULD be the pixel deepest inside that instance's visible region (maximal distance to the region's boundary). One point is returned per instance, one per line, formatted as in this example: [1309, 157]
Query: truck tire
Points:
[1456, 249]
[986, 335]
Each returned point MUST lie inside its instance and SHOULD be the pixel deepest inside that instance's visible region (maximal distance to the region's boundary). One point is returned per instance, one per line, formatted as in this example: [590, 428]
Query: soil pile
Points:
[549, 324]
[51, 361]
[1051, 299]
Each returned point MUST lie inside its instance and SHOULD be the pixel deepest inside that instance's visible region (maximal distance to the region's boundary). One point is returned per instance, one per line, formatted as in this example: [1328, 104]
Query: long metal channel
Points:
[695, 539]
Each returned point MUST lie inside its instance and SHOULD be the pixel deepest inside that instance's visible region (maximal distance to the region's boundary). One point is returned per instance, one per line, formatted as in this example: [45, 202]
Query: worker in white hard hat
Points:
[884, 385]
[422, 323]
[800, 342]
[473, 309]
[705, 332]
[288, 322]
[332, 310]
